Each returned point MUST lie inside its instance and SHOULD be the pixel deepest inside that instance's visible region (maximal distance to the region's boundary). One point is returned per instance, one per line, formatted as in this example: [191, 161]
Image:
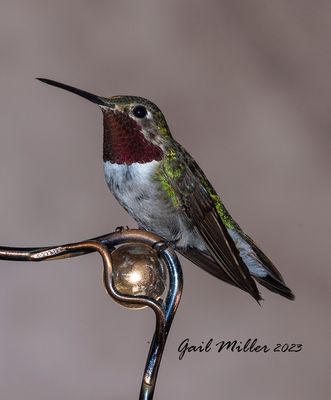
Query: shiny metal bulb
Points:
[138, 271]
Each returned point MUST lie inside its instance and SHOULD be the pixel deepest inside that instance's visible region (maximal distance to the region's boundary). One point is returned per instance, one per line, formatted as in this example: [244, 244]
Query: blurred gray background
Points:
[246, 88]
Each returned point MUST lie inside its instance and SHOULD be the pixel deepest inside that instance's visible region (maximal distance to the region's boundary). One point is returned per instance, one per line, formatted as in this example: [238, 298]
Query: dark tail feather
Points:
[276, 286]
[274, 280]
[205, 262]
[274, 283]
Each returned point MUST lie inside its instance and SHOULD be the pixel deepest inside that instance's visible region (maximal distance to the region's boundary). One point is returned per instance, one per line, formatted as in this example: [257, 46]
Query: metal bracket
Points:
[164, 309]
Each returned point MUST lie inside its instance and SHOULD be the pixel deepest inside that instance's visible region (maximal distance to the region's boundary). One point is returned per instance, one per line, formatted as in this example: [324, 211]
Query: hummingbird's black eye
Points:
[139, 111]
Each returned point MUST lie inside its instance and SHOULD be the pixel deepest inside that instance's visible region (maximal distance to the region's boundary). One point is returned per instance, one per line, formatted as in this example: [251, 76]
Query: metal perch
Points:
[164, 306]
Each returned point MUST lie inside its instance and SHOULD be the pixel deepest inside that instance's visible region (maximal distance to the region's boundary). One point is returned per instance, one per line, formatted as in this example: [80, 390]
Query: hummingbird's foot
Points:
[122, 228]
[164, 244]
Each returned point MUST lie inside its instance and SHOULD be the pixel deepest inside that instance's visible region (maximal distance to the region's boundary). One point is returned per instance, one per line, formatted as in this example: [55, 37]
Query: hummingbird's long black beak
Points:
[101, 101]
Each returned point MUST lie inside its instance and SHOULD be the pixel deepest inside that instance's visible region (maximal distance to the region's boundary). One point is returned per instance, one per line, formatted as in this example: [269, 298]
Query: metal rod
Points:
[164, 309]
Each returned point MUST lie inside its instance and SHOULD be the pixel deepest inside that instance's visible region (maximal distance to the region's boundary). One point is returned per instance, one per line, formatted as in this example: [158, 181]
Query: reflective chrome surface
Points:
[138, 270]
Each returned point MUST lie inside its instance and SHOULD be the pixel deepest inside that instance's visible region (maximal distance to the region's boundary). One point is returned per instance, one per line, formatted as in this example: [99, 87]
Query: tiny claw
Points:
[122, 228]
[163, 245]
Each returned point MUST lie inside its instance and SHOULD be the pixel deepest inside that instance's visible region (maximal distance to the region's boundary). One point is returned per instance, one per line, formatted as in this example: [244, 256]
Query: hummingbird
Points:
[163, 188]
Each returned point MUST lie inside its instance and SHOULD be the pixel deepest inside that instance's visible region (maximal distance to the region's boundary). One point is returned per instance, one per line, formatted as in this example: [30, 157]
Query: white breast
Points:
[135, 174]
[133, 187]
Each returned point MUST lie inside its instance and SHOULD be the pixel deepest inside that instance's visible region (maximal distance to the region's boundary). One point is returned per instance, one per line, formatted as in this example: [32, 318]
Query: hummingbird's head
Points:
[135, 130]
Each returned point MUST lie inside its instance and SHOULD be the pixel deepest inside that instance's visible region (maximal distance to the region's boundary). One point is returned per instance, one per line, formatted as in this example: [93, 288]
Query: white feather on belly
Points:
[132, 187]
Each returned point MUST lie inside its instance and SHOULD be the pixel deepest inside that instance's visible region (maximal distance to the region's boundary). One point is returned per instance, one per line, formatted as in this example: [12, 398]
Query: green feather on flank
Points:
[219, 206]
[169, 191]
[168, 173]
[171, 170]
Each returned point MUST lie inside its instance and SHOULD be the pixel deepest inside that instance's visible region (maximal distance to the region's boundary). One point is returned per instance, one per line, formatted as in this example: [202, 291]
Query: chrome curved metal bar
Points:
[164, 309]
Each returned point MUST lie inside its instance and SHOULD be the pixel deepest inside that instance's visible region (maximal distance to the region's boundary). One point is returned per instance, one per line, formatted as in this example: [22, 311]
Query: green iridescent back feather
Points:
[174, 167]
